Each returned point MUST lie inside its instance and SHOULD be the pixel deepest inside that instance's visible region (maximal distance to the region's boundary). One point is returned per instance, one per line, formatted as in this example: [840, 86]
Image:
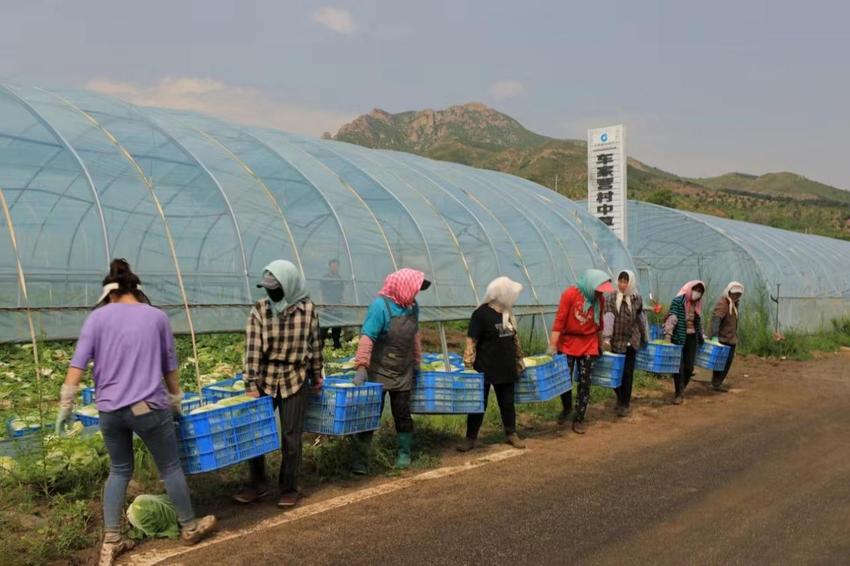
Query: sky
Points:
[704, 88]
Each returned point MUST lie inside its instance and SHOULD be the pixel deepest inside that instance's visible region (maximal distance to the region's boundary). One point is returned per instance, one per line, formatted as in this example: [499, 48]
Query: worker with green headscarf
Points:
[576, 333]
[284, 361]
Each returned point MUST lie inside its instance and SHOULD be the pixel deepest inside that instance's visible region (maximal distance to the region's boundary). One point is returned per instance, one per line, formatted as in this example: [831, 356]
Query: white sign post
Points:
[606, 177]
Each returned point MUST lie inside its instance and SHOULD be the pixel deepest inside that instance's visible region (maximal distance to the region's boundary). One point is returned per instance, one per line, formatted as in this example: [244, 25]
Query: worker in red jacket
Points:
[576, 333]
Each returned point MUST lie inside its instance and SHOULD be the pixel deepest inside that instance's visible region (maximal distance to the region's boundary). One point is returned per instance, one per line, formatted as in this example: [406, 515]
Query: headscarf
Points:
[733, 287]
[686, 292]
[588, 283]
[291, 281]
[402, 286]
[504, 292]
[630, 290]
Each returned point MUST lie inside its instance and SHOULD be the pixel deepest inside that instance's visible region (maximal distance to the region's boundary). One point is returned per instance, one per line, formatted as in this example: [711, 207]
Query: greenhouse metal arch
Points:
[807, 276]
[199, 206]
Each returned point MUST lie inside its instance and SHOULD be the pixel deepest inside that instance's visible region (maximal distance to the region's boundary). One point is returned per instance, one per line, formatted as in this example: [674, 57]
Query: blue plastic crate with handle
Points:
[88, 395]
[656, 332]
[713, 356]
[227, 435]
[447, 393]
[342, 408]
[608, 370]
[18, 427]
[222, 390]
[659, 358]
[543, 382]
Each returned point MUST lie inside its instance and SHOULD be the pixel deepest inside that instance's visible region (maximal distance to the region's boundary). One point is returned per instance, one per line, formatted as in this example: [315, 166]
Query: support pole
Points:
[444, 344]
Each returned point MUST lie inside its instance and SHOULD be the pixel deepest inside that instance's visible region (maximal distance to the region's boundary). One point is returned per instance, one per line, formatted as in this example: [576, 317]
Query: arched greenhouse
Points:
[198, 207]
[808, 275]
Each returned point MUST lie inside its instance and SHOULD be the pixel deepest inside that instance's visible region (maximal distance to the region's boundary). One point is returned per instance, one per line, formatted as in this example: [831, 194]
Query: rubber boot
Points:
[405, 441]
[360, 461]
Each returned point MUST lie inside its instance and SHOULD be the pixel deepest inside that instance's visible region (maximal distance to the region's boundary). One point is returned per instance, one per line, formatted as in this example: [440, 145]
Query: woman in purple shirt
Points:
[133, 349]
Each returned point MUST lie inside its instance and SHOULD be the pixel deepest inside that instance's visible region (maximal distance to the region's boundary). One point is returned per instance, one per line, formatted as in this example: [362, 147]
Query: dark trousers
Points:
[624, 392]
[400, 407]
[718, 376]
[292, 411]
[582, 369]
[505, 398]
[335, 333]
[686, 368]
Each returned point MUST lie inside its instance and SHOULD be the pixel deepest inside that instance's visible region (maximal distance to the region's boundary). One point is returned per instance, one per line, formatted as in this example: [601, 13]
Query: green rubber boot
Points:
[405, 441]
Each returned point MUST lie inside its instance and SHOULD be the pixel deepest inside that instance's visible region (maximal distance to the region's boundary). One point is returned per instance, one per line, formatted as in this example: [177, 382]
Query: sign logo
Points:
[604, 138]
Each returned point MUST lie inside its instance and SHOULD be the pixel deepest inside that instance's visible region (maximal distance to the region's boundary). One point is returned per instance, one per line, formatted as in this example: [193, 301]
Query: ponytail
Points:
[121, 275]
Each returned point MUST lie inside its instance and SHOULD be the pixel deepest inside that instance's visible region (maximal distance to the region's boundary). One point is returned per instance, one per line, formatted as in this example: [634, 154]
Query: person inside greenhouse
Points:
[133, 349]
[576, 333]
[625, 332]
[724, 329]
[333, 288]
[390, 353]
[283, 360]
[683, 326]
[492, 348]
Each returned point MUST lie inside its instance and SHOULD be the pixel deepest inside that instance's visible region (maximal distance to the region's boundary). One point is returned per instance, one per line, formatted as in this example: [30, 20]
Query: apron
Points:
[392, 363]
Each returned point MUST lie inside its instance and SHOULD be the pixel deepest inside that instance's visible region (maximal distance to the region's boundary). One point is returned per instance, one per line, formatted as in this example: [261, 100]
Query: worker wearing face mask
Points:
[683, 326]
[724, 327]
[283, 360]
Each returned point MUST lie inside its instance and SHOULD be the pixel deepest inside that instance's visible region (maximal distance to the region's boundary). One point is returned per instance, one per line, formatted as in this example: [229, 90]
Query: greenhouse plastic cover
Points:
[199, 206]
[670, 247]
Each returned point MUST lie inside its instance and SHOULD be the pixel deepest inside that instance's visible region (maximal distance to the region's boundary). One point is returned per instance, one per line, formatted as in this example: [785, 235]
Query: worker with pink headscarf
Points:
[390, 353]
[683, 326]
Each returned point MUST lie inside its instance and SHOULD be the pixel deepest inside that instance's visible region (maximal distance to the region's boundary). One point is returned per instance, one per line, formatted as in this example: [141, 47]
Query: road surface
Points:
[760, 475]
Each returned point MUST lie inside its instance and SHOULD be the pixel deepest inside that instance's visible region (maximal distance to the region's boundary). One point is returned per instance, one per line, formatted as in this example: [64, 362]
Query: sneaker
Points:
[622, 411]
[112, 550]
[515, 441]
[579, 427]
[359, 468]
[251, 494]
[678, 399]
[198, 530]
[720, 388]
[467, 445]
[288, 500]
[564, 417]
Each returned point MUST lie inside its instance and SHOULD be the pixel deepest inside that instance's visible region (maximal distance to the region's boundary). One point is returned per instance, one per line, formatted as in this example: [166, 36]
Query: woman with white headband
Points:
[133, 349]
[492, 348]
[724, 328]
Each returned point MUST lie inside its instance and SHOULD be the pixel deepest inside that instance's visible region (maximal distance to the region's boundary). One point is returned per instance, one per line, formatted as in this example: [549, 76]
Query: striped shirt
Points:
[282, 352]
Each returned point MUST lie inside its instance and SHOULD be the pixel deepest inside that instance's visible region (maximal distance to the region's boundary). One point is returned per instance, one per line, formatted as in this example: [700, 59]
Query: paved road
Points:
[758, 476]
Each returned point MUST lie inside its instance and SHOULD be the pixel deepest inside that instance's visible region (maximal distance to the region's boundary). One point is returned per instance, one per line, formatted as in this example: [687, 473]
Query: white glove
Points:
[66, 406]
[551, 350]
[176, 400]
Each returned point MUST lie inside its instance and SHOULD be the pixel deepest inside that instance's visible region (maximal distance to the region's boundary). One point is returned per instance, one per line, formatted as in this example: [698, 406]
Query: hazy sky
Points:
[704, 87]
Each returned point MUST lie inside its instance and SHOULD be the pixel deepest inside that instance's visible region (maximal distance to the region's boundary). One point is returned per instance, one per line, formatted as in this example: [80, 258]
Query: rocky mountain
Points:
[477, 135]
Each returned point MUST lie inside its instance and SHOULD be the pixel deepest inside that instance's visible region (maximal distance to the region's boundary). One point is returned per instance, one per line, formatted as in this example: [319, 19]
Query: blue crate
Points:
[87, 420]
[656, 332]
[713, 356]
[454, 359]
[227, 435]
[608, 370]
[30, 430]
[447, 393]
[543, 382]
[216, 392]
[88, 395]
[659, 358]
[340, 408]
[191, 401]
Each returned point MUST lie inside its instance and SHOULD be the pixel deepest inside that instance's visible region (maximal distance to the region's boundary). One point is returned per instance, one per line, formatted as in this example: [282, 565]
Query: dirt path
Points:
[759, 475]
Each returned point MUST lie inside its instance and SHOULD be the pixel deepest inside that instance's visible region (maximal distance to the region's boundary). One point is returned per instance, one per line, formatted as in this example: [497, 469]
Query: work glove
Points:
[551, 350]
[668, 339]
[361, 376]
[176, 401]
[66, 407]
[606, 346]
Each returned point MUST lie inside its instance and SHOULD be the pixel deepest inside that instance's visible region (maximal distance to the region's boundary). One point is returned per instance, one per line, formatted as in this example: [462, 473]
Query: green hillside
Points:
[476, 135]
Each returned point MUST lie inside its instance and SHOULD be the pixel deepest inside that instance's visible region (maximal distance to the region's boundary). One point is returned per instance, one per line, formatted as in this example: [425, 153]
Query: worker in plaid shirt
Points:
[283, 360]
